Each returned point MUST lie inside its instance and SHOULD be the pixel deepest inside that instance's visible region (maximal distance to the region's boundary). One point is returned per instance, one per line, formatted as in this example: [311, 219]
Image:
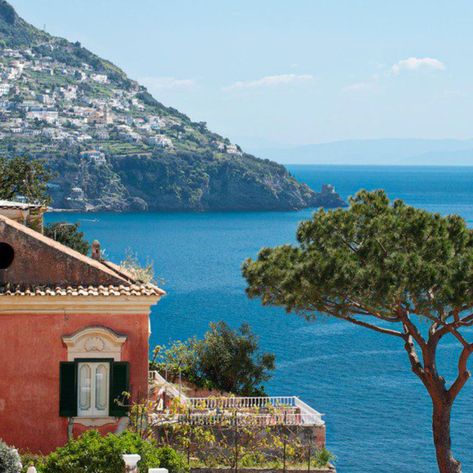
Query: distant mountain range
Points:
[418, 152]
[112, 146]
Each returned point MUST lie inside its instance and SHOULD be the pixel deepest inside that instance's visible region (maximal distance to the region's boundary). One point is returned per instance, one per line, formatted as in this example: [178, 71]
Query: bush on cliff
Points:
[225, 359]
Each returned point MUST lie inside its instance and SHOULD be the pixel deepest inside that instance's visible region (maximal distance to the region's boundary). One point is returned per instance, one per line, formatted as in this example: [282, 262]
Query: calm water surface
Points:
[377, 413]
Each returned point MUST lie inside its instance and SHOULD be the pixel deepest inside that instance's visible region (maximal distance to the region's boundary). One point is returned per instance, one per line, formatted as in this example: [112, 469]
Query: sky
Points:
[270, 73]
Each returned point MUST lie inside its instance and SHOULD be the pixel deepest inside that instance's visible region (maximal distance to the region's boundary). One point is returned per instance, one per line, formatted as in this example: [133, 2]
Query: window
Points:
[93, 389]
[90, 388]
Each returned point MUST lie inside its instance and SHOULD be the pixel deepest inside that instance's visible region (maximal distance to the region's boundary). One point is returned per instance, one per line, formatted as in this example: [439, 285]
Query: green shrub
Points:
[323, 457]
[9, 459]
[172, 460]
[252, 460]
[68, 234]
[225, 359]
[92, 452]
[28, 459]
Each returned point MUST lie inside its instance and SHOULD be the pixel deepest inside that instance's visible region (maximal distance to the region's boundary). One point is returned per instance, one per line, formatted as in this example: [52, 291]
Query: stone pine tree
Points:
[387, 267]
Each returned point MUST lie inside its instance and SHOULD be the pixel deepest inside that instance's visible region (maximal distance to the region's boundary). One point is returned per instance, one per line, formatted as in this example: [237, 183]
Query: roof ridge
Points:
[102, 266]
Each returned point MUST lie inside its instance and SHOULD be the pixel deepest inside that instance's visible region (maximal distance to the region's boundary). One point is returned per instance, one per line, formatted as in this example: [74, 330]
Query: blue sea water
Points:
[377, 412]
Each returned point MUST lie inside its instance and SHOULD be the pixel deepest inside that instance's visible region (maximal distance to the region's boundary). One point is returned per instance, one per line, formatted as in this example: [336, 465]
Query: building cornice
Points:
[113, 305]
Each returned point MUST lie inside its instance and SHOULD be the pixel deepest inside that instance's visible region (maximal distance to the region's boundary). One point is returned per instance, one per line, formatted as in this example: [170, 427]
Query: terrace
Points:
[213, 410]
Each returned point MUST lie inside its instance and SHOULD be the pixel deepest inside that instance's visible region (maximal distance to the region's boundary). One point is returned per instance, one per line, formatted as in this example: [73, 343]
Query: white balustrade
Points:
[266, 410]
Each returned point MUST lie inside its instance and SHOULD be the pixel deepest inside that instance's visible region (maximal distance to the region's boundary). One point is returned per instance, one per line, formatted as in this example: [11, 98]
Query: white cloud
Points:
[159, 83]
[416, 63]
[271, 81]
[359, 87]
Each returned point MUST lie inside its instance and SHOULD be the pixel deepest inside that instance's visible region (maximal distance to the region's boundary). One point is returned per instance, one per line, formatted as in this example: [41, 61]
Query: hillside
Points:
[112, 146]
[420, 152]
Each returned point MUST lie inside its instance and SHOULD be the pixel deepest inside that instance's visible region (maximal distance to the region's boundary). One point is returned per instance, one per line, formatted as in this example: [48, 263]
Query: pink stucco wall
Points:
[31, 348]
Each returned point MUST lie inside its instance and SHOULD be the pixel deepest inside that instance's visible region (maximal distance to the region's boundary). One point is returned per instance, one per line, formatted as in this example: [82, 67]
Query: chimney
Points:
[96, 250]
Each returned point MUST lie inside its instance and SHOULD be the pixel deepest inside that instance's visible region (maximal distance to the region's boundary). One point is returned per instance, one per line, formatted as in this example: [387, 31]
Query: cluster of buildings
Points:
[69, 105]
[41, 97]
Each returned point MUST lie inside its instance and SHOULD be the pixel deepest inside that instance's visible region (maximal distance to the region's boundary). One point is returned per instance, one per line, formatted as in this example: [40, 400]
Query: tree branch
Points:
[463, 373]
[376, 328]
[411, 329]
[416, 365]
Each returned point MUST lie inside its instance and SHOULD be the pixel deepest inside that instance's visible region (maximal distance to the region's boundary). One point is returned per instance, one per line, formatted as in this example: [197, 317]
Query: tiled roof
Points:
[129, 291]
[71, 273]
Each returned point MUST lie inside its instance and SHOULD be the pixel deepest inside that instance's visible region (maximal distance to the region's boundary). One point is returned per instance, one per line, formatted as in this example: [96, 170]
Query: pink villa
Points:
[74, 335]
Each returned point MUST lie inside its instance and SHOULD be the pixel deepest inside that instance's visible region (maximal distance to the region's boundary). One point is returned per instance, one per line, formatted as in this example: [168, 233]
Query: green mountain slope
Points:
[113, 146]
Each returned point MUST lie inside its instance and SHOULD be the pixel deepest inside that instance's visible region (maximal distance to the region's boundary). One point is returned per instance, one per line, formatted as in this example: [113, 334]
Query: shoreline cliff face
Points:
[112, 146]
[138, 183]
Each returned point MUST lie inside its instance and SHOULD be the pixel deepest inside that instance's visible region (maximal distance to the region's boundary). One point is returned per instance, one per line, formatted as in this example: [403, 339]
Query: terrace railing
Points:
[241, 402]
[282, 410]
[273, 419]
[259, 410]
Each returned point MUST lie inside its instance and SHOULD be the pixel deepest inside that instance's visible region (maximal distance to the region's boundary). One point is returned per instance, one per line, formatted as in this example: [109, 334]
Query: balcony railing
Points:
[271, 410]
[241, 402]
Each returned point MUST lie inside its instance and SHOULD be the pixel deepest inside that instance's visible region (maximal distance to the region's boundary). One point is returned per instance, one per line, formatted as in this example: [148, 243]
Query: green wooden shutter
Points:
[67, 389]
[120, 383]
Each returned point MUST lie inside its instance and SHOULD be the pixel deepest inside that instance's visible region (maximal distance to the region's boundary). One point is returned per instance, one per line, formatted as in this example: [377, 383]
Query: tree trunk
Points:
[442, 440]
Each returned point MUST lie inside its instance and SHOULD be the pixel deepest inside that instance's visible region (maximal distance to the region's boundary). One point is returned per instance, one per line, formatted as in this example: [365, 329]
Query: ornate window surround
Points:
[94, 342]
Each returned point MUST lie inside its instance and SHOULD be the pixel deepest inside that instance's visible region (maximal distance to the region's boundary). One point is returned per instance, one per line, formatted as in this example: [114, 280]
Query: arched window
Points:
[94, 378]
[93, 389]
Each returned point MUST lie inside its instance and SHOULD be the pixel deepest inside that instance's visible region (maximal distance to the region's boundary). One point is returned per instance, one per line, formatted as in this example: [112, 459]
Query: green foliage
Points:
[179, 358]
[131, 264]
[31, 459]
[69, 235]
[147, 99]
[225, 359]
[9, 459]
[229, 359]
[25, 177]
[252, 460]
[370, 259]
[92, 452]
[172, 460]
[194, 178]
[324, 457]
[14, 31]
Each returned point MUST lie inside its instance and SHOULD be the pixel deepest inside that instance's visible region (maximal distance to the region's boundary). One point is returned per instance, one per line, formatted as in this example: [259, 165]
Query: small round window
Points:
[7, 254]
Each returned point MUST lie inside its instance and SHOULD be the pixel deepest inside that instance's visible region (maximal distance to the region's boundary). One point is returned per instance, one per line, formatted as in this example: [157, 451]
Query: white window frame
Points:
[87, 389]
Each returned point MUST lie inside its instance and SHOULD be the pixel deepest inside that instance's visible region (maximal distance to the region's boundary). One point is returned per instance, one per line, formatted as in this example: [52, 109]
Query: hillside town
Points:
[69, 106]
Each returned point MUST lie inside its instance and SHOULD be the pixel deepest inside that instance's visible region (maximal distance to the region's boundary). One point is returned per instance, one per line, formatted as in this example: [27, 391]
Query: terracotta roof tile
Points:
[114, 291]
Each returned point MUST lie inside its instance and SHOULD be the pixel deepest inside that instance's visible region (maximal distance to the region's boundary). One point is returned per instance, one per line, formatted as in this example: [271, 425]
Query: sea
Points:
[376, 411]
